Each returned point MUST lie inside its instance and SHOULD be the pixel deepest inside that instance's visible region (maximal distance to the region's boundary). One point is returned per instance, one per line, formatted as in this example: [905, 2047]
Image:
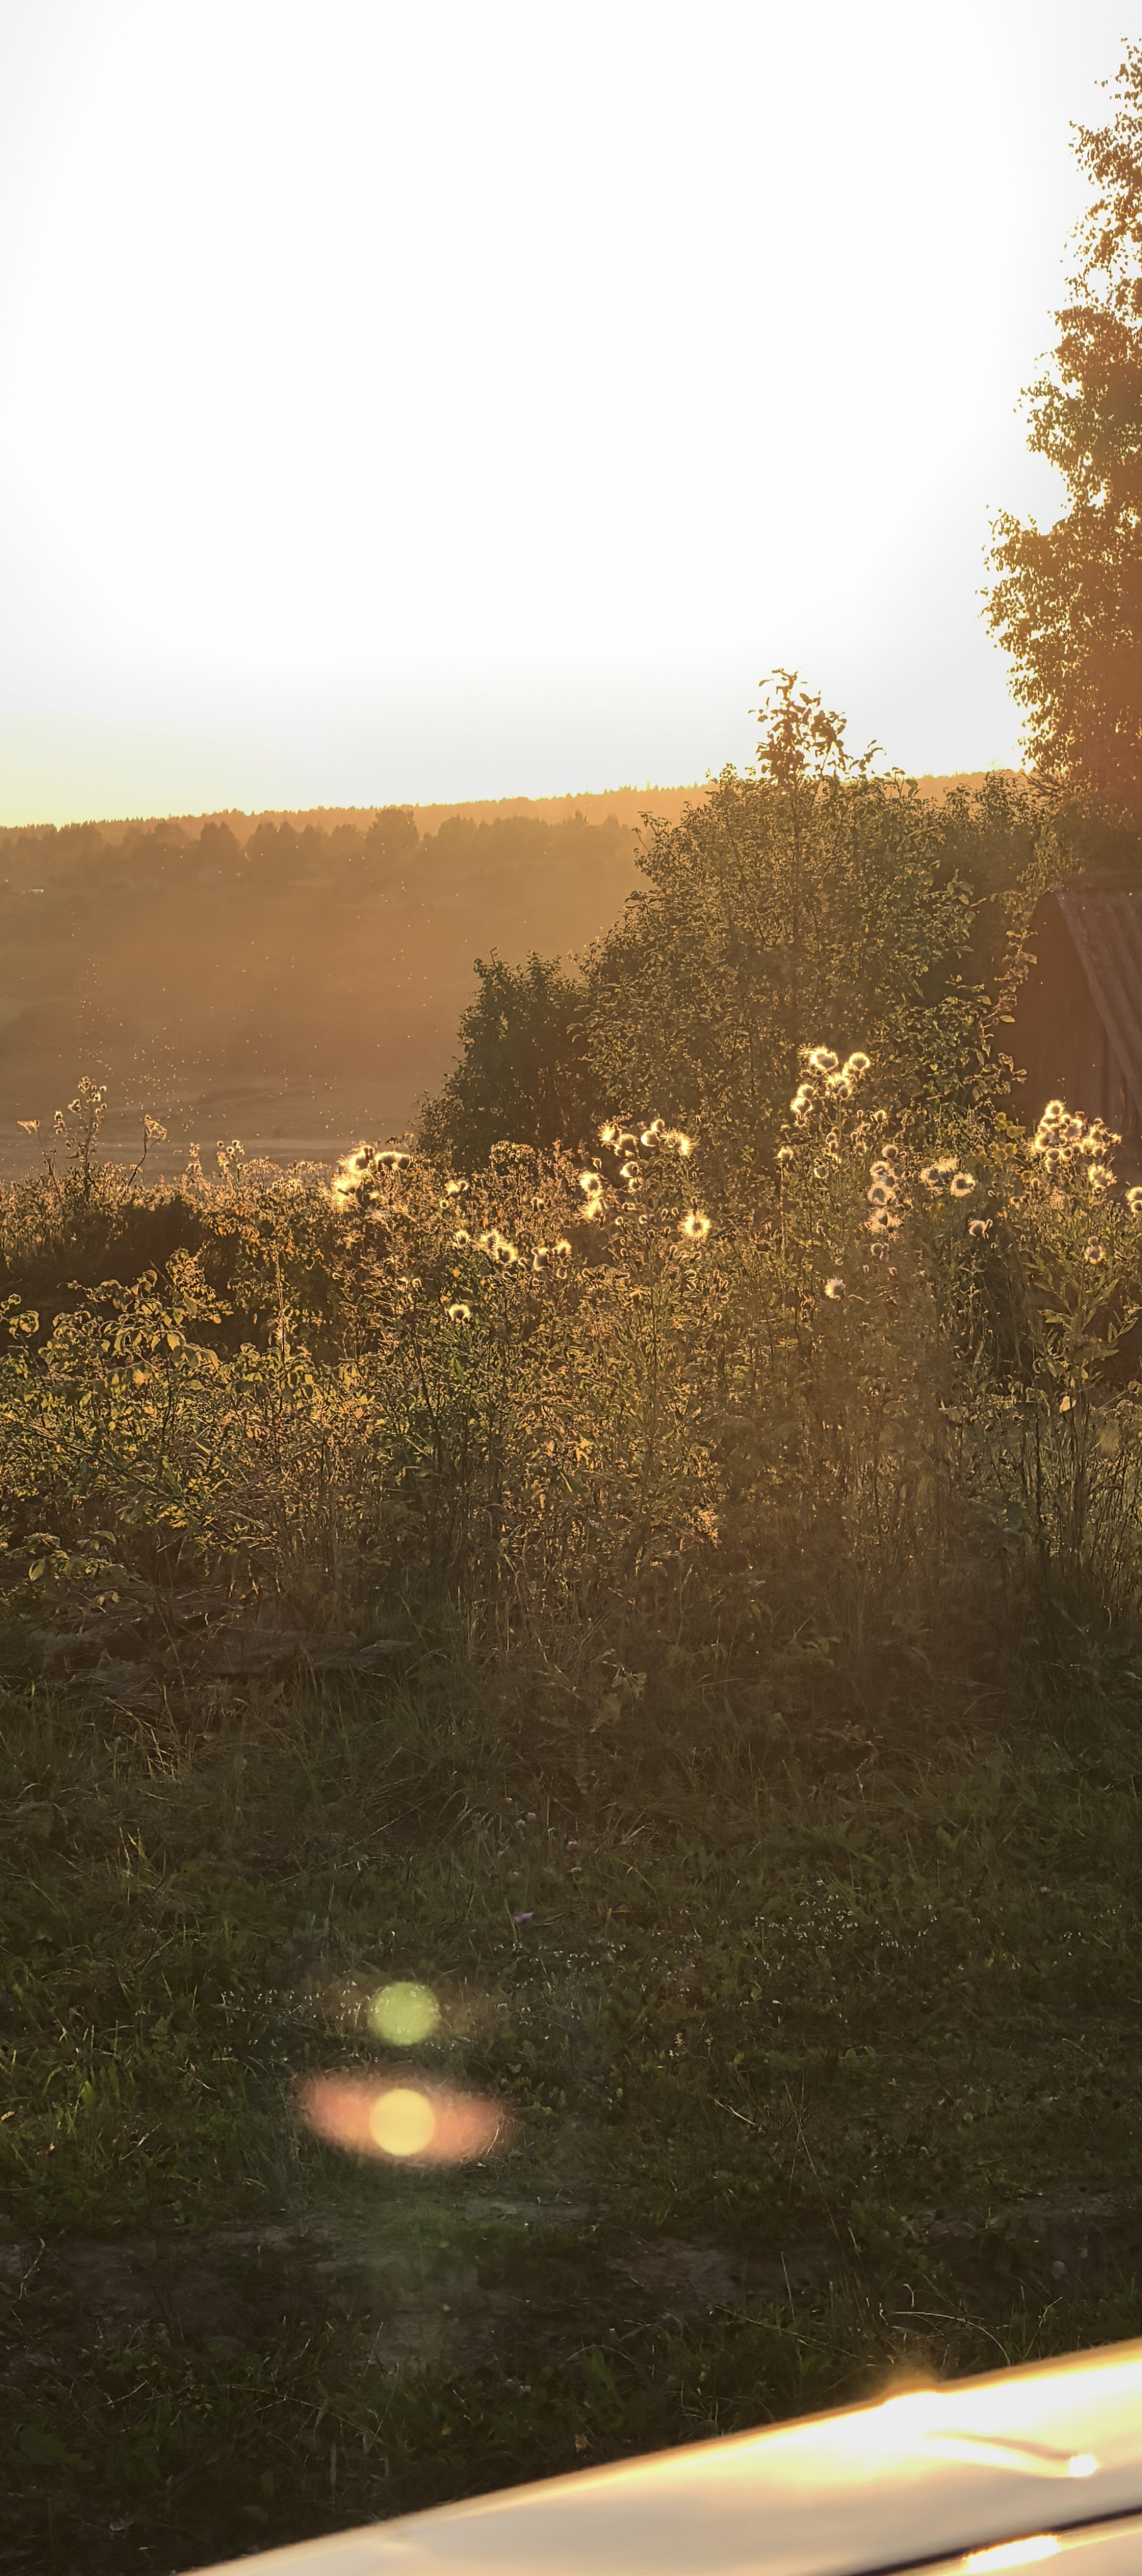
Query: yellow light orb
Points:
[402, 2122]
[404, 2013]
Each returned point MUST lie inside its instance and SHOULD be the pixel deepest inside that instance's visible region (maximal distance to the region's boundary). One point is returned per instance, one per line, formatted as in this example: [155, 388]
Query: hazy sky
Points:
[475, 397]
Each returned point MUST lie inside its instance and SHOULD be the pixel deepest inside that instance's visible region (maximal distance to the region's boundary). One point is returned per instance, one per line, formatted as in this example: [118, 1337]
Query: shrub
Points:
[875, 1416]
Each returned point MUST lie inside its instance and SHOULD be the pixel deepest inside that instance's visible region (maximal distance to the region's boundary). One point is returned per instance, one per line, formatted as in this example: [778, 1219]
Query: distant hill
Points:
[293, 979]
[295, 983]
[623, 804]
[626, 805]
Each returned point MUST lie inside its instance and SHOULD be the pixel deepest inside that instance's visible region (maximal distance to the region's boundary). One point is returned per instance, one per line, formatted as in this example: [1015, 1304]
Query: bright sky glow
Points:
[418, 401]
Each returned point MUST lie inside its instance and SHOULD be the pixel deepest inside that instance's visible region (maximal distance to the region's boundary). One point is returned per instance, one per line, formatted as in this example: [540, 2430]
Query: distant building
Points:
[1077, 1034]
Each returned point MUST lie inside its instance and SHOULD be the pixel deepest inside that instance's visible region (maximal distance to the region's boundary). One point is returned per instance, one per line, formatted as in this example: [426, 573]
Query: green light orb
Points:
[404, 2013]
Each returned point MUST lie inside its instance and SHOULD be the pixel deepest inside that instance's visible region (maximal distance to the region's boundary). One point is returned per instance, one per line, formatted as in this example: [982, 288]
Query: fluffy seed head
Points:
[497, 1248]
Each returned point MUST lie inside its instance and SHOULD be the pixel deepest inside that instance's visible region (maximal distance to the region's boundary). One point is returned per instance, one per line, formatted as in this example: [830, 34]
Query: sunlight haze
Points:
[438, 402]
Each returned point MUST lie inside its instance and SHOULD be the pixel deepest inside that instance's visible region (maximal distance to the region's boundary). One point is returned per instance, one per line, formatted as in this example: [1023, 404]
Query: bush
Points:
[879, 1412]
[524, 1074]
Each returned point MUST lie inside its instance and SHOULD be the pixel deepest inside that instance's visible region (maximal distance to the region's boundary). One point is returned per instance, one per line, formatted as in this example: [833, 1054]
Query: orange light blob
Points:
[402, 2118]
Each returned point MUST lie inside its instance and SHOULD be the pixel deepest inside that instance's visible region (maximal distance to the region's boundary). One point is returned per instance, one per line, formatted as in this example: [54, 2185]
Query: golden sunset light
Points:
[411, 404]
[570, 1287]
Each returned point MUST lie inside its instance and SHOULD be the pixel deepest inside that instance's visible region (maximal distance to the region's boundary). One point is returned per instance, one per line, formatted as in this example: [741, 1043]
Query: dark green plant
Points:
[524, 1075]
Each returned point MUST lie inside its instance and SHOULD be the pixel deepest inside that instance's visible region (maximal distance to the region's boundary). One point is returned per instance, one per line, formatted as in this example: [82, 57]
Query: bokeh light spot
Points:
[424, 2121]
[404, 2013]
[402, 2121]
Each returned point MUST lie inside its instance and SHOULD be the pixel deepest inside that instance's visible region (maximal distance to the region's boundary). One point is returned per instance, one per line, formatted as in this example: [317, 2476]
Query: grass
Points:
[755, 1787]
[768, 2014]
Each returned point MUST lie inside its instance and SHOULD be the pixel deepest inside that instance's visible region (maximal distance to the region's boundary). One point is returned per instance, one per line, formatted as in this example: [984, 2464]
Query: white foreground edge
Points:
[1018, 2469]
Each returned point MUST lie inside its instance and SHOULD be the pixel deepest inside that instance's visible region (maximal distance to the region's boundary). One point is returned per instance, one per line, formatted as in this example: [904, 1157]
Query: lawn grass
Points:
[794, 2043]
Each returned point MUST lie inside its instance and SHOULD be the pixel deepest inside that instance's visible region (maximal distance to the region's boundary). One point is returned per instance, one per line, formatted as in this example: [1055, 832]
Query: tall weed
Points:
[877, 1420]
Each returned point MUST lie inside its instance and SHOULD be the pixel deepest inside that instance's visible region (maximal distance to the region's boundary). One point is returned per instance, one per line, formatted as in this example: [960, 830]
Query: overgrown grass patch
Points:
[783, 2021]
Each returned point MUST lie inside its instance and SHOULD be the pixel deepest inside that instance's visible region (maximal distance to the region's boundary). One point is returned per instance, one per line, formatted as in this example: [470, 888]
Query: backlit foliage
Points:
[606, 1404]
[813, 893]
[1067, 600]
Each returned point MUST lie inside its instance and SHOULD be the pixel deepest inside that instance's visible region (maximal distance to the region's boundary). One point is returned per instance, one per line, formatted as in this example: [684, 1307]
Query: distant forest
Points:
[265, 978]
[289, 979]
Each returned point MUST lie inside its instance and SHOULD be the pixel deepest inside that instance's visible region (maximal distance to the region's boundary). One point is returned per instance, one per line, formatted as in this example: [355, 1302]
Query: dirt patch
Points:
[520, 2282]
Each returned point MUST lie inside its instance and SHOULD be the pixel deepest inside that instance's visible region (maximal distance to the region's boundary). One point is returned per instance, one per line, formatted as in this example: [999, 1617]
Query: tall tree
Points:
[814, 902]
[1067, 600]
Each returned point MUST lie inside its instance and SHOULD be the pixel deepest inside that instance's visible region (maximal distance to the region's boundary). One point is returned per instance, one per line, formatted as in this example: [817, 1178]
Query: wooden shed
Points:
[1077, 1034]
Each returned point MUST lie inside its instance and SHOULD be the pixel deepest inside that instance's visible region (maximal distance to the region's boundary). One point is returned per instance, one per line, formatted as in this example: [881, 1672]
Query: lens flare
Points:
[402, 2122]
[404, 2013]
[406, 2120]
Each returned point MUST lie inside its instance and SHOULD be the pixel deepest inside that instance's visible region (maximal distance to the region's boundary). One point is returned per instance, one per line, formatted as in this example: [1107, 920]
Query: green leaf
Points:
[46, 2451]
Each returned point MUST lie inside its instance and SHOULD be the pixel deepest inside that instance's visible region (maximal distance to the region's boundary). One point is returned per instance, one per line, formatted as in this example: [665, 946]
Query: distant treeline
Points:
[158, 959]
